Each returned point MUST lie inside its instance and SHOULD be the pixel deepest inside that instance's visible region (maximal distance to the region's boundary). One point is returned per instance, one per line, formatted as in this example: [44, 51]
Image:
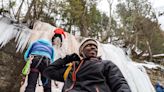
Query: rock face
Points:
[11, 64]
[156, 75]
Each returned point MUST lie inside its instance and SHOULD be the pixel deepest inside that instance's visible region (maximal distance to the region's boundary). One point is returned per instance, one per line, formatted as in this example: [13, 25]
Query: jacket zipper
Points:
[97, 89]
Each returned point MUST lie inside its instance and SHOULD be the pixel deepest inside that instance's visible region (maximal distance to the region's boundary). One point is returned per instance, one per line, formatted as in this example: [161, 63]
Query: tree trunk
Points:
[84, 32]
[136, 42]
[83, 25]
[40, 12]
[105, 39]
[19, 11]
[27, 16]
[149, 50]
[1, 12]
[2, 4]
[70, 27]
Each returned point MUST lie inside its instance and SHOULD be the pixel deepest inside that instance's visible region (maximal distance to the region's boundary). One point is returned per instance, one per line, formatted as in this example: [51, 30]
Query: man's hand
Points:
[72, 57]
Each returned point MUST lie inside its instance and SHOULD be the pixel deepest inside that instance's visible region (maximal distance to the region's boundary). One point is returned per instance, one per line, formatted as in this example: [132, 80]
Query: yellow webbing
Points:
[67, 71]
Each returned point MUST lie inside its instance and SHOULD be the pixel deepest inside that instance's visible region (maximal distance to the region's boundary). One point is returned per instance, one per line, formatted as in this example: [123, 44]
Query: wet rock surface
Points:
[11, 64]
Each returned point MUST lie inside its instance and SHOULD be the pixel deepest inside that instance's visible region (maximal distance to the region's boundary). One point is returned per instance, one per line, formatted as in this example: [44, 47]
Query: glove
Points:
[72, 57]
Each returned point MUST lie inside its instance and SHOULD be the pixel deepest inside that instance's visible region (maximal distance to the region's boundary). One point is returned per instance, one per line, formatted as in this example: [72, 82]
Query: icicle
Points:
[27, 39]
[11, 35]
[3, 27]
[17, 36]
[7, 34]
[23, 39]
[9, 31]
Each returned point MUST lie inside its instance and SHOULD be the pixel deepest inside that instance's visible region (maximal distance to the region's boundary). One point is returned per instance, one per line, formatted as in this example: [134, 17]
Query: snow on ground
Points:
[158, 55]
[149, 65]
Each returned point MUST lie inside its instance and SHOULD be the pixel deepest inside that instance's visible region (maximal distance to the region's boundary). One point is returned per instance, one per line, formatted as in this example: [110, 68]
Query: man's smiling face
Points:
[90, 51]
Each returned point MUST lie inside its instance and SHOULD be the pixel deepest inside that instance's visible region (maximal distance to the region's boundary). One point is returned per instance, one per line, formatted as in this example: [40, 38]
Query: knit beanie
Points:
[85, 43]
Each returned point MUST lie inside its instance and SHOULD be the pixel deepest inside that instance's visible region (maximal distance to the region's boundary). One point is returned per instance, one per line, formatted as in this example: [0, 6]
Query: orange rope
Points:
[74, 75]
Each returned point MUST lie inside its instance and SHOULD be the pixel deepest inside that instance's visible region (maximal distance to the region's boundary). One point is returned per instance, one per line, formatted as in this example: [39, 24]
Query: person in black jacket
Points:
[89, 74]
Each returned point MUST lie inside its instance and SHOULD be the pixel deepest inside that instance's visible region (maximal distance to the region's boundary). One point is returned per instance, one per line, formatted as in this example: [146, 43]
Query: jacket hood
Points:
[44, 41]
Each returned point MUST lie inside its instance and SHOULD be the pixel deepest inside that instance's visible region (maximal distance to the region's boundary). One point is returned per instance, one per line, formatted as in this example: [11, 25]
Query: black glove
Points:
[72, 57]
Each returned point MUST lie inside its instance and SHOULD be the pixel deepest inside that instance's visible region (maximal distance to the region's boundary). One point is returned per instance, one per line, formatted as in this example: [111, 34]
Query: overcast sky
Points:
[158, 5]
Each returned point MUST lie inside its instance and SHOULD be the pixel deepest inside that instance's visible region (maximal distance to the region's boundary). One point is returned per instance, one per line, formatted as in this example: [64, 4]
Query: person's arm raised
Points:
[56, 70]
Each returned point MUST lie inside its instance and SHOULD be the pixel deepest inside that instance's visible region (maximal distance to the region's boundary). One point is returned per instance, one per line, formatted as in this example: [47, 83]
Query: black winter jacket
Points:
[93, 76]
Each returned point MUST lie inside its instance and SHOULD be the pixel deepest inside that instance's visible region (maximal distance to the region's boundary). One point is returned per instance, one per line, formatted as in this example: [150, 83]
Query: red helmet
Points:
[59, 31]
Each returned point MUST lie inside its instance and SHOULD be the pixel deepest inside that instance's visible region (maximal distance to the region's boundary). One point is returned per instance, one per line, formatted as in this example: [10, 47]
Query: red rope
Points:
[74, 75]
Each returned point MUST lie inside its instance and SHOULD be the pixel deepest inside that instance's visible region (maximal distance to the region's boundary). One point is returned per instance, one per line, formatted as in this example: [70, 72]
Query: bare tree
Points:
[1, 11]
[11, 7]
[19, 10]
[109, 28]
[27, 16]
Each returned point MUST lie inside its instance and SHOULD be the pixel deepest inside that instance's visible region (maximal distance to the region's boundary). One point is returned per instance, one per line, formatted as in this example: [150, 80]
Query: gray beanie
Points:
[85, 43]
